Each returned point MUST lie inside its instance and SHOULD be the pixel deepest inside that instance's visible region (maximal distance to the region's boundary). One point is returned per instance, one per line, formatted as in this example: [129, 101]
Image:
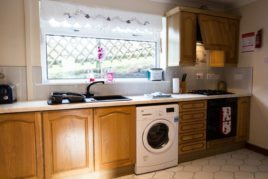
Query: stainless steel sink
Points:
[108, 98]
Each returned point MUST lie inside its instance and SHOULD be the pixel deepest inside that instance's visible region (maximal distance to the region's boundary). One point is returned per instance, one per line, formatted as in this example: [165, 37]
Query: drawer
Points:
[192, 105]
[192, 137]
[192, 126]
[192, 147]
[193, 116]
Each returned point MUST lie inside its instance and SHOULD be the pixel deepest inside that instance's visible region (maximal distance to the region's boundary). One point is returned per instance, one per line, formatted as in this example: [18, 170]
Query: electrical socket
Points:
[213, 76]
[199, 76]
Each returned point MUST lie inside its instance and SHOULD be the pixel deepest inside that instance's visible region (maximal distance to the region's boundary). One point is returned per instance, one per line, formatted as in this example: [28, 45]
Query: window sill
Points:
[82, 82]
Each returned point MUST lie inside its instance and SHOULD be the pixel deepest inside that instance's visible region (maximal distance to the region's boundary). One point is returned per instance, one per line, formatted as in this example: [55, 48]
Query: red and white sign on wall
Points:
[248, 42]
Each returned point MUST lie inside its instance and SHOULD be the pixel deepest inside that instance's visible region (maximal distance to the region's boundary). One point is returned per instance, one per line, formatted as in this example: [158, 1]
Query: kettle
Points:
[222, 85]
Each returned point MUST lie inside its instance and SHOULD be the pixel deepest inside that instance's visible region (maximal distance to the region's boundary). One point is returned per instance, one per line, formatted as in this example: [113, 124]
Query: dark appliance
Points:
[221, 118]
[65, 98]
[209, 92]
[7, 94]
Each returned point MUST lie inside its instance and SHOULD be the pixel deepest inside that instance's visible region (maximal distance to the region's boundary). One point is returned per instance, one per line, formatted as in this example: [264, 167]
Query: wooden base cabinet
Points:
[114, 137]
[243, 115]
[68, 143]
[21, 146]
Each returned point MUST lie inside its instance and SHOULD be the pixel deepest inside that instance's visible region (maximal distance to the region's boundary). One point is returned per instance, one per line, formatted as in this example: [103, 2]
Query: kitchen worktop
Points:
[30, 106]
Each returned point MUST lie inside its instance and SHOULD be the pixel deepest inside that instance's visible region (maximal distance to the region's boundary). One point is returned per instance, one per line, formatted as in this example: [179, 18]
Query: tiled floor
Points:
[239, 164]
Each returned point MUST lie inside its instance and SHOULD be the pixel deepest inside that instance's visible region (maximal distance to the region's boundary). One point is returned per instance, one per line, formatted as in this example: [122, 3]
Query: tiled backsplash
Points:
[16, 76]
[238, 79]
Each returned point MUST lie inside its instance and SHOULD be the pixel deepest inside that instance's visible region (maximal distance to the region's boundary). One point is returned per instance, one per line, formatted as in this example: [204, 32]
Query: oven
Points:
[221, 118]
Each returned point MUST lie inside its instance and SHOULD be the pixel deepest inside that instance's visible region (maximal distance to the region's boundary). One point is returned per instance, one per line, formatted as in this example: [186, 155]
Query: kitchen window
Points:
[81, 46]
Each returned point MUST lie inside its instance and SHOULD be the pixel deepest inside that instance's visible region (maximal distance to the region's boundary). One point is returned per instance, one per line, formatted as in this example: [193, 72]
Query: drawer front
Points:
[192, 126]
[192, 137]
[192, 105]
[192, 147]
[193, 116]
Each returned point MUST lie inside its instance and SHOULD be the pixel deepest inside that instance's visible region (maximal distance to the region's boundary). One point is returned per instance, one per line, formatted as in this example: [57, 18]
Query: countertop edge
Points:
[39, 106]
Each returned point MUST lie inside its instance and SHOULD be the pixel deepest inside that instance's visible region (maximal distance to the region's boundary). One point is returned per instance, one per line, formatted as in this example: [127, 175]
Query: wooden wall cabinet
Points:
[218, 32]
[181, 39]
[21, 146]
[243, 116]
[114, 136]
[213, 31]
[68, 143]
[192, 126]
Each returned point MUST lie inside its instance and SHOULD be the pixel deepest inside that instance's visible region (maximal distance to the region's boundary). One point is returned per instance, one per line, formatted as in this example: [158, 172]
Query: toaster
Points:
[7, 93]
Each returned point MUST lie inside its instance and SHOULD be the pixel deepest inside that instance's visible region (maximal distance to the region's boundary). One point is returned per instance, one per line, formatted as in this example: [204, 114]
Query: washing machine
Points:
[156, 137]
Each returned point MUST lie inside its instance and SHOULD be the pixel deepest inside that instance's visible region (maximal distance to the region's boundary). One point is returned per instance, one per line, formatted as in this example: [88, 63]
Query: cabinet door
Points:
[114, 136]
[68, 143]
[232, 50]
[188, 38]
[173, 40]
[243, 115]
[214, 32]
[20, 146]
[181, 39]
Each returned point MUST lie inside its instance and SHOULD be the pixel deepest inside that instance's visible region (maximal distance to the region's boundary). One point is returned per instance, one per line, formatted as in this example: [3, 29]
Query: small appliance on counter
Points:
[155, 74]
[209, 92]
[222, 86]
[65, 98]
[183, 85]
[8, 93]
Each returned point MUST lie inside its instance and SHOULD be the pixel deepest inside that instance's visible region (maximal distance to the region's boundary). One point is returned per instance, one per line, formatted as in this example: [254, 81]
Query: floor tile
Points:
[203, 175]
[236, 162]
[243, 175]
[248, 168]
[186, 163]
[211, 168]
[200, 162]
[224, 156]
[239, 164]
[183, 175]
[126, 177]
[261, 175]
[230, 168]
[223, 175]
[144, 176]
[217, 161]
[265, 161]
[255, 155]
[263, 168]
[164, 174]
[239, 156]
[192, 168]
[254, 162]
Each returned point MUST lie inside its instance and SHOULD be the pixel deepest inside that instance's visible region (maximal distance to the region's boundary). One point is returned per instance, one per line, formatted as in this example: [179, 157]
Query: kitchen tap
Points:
[88, 94]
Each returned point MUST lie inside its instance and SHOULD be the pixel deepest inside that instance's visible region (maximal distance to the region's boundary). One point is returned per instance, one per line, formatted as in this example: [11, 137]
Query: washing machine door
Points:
[158, 136]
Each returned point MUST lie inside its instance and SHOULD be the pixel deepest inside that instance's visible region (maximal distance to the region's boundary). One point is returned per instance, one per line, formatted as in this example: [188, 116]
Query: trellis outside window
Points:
[71, 57]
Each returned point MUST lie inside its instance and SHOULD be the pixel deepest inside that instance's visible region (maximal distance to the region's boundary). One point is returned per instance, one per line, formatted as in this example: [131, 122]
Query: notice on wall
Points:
[248, 42]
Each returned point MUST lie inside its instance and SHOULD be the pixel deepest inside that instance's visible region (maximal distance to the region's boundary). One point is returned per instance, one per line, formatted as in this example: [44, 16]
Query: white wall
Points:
[254, 17]
[12, 33]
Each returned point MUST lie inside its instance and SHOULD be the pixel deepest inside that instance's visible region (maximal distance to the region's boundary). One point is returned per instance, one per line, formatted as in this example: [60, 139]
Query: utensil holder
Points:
[183, 87]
